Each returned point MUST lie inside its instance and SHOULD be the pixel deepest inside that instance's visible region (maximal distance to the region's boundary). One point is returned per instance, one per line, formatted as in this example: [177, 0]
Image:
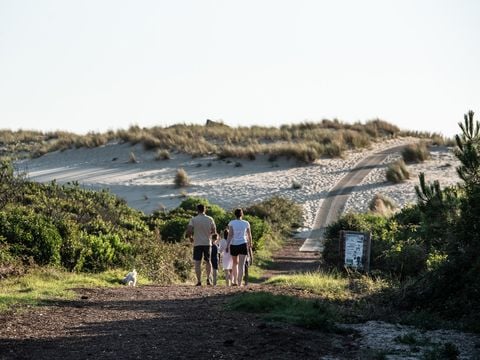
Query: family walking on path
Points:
[235, 247]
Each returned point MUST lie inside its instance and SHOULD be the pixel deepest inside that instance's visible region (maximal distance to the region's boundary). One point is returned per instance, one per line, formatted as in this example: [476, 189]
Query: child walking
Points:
[227, 262]
[214, 258]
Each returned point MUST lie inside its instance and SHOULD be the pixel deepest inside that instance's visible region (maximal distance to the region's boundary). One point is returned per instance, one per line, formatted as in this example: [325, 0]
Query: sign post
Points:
[355, 250]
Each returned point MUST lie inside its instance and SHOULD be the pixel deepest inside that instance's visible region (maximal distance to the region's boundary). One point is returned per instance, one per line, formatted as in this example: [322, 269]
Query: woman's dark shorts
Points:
[202, 250]
[236, 250]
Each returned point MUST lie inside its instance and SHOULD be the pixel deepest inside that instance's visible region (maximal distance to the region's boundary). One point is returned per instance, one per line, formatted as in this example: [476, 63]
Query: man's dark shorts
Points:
[236, 250]
[202, 250]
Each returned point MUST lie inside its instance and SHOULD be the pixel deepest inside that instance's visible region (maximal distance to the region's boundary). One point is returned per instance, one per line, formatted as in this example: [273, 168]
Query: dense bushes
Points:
[82, 230]
[435, 243]
[30, 235]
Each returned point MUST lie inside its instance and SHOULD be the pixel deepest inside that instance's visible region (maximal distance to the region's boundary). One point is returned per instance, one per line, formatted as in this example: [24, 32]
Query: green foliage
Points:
[190, 204]
[282, 213]
[260, 229]
[173, 230]
[30, 235]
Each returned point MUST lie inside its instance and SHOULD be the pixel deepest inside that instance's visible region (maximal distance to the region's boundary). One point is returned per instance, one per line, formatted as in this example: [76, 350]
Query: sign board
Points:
[355, 249]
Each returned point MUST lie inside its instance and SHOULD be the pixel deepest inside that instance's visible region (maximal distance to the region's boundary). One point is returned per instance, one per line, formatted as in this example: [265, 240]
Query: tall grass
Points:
[397, 172]
[416, 153]
[305, 142]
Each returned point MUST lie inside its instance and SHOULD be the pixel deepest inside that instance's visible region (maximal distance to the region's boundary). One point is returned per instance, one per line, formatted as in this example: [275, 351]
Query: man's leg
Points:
[198, 271]
[208, 265]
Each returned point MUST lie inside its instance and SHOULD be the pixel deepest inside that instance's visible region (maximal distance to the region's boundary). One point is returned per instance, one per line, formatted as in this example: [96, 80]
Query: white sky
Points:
[107, 64]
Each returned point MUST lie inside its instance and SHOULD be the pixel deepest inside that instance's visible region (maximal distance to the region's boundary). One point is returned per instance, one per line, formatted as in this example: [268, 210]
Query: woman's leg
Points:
[235, 270]
[241, 267]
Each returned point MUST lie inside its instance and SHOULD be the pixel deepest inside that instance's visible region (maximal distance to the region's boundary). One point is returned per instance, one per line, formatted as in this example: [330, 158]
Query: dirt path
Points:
[167, 322]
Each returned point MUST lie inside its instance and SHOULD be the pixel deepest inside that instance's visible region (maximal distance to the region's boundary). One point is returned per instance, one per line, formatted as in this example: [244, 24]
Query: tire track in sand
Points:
[334, 203]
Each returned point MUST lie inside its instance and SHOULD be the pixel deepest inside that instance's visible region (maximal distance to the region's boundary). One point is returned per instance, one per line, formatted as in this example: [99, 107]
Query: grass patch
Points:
[330, 286]
[310, 314]
[44, 284]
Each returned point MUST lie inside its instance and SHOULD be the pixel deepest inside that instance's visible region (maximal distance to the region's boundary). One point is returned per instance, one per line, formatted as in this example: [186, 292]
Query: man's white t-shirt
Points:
[239, 228]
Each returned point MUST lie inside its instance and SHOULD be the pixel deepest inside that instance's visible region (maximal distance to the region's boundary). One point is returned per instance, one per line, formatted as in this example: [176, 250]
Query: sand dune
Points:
[148, 184]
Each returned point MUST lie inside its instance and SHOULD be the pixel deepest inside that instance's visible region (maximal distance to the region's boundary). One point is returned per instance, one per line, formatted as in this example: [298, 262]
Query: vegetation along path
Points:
[334, 203]
[167, 322]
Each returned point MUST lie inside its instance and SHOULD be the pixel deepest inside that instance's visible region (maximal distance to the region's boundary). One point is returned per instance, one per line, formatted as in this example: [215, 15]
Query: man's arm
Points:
[213, 228]
[189, 232]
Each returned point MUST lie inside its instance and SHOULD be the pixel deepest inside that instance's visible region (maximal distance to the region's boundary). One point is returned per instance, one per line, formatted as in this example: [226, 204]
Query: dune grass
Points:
[43, 284]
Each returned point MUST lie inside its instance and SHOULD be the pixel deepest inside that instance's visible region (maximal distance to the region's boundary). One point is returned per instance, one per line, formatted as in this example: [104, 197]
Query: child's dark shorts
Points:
[202, 250]
[214, 257]
[236, 250]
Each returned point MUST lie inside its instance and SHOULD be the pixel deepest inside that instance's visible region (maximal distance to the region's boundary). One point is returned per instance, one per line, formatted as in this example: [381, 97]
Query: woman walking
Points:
[239, 242]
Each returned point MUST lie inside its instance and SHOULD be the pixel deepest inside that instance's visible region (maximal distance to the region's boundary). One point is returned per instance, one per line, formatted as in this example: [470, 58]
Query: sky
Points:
[98, 65]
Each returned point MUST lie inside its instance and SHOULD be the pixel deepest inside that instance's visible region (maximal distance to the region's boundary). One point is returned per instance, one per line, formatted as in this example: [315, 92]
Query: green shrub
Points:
[282, 213]
[260, 230]
[173, 229]
[382, 237]
[397, 172]
[31, 235]
[190, 204]
[101, 252]
[415, 153]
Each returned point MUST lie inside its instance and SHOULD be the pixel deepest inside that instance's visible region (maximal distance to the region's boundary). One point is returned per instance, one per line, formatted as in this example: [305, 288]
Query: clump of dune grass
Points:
[397, 172]
[181, 178]
[132, 158]
[163, 155]
[416, 153]
[383, 205]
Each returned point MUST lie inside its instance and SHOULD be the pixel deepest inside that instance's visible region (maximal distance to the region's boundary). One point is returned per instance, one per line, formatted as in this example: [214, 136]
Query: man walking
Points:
[199, 230]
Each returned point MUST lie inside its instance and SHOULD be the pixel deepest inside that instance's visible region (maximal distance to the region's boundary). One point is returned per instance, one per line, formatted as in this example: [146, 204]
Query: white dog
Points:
[131, 278]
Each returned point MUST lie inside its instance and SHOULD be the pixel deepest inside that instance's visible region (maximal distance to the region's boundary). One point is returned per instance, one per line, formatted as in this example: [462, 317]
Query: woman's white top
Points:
[227, 261]
[239, 228]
